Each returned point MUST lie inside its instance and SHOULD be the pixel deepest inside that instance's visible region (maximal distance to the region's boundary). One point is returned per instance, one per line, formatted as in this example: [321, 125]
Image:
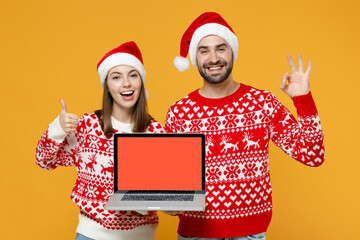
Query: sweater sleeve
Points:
[155, 127]
[170, 122]
[57, 148]
[302, 140]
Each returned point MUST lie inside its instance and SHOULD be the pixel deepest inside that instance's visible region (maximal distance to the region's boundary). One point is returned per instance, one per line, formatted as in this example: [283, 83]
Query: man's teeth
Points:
[214, 68]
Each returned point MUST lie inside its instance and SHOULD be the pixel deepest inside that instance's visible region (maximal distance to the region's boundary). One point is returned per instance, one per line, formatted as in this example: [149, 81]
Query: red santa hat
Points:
[209, 23]
[126, 54]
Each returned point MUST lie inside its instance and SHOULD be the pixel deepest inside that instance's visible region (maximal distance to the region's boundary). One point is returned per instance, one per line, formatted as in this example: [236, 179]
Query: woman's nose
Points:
[126, 82]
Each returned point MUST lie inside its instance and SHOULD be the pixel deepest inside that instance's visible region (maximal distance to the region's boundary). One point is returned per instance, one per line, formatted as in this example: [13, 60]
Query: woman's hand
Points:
[68, 121]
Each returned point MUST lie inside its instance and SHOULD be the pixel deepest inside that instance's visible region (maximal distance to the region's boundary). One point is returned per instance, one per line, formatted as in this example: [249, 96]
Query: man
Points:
[239, 121]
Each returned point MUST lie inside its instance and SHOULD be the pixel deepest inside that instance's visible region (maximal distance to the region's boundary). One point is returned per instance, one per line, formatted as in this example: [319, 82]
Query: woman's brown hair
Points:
[140, 120]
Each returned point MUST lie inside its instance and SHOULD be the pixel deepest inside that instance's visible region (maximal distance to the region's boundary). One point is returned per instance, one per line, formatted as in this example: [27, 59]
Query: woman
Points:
[88, 144]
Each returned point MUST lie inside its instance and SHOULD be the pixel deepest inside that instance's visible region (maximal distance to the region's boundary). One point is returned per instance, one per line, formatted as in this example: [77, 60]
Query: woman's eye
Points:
[116, 77]
[134, 75]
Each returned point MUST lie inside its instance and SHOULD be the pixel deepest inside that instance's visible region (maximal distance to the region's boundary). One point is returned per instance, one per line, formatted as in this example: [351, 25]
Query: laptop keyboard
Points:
[128, 197]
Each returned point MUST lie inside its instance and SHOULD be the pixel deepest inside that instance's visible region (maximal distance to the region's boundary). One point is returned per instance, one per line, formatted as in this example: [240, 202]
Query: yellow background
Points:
[49, 50]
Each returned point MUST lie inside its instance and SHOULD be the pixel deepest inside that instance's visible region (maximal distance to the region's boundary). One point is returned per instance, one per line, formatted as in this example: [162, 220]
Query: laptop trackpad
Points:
[155, 205]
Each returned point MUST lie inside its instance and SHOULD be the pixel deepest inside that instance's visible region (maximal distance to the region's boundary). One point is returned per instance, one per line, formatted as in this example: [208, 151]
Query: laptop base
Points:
[115, 203]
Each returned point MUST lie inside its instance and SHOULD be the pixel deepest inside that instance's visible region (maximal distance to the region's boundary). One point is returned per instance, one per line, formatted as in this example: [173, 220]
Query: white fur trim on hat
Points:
[212, 29]
[181, 63]
[117, 59]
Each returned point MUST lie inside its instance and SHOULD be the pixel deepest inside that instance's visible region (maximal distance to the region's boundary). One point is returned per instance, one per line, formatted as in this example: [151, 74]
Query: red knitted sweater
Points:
[92, 154]
[238, 129]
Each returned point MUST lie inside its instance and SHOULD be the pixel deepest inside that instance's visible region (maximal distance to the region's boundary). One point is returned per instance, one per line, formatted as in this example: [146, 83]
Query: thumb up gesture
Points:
[68, 121]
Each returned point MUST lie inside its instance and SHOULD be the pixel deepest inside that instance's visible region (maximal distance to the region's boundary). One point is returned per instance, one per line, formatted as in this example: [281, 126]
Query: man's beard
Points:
[218, 79]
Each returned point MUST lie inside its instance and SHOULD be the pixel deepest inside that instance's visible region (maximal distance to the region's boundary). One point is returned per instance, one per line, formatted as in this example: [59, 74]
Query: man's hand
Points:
[172, 213]
[297, 83]
[68, 121]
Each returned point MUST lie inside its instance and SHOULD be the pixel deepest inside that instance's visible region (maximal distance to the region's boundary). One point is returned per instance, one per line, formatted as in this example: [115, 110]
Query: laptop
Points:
[158, 171]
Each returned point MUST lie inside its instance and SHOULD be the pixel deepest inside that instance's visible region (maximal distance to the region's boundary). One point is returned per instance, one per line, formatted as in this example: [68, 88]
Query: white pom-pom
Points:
[146, 94]
[181, 63]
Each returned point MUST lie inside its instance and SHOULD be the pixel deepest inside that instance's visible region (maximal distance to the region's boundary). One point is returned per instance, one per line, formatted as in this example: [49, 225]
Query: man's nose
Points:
[213, 57]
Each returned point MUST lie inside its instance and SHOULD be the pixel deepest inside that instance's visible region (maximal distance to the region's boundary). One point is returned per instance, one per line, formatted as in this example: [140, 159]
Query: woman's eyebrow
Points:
[116, 73]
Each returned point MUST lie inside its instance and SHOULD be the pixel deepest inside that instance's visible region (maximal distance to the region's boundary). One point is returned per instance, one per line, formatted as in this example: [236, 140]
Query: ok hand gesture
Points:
[68, 121]
[297, 83]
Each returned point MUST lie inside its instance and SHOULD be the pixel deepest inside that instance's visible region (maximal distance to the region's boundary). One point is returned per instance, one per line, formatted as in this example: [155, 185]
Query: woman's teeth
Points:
[128, 93]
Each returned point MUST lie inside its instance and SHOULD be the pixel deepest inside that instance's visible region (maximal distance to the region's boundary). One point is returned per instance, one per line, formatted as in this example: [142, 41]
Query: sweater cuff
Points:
[305, 105]
[55, 131]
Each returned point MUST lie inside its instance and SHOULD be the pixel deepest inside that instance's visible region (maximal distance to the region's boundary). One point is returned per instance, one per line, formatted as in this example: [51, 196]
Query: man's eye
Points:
[203, 52]
[221, 49]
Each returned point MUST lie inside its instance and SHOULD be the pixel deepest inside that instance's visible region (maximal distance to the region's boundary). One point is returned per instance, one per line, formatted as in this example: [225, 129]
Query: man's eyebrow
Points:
[203, 47]
[217, 46]
[222, 45]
